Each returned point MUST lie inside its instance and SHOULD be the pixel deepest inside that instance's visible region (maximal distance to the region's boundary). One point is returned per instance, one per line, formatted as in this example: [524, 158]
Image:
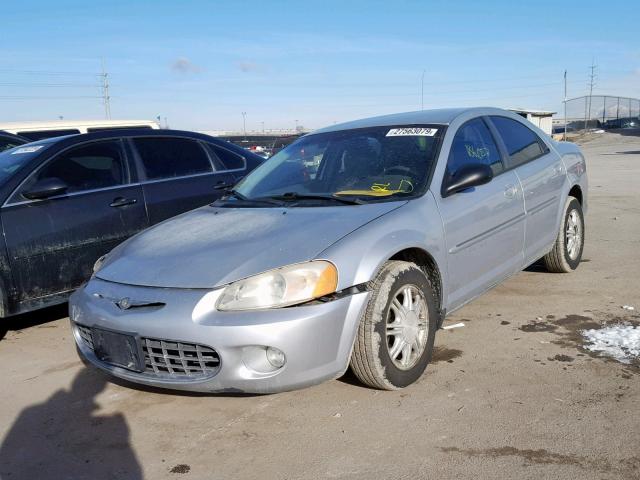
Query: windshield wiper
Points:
[232, 192]
[293, 196]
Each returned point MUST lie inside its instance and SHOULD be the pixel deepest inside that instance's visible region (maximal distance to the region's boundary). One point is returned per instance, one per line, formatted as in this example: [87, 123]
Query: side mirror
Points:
[468, 176]
[45, 188]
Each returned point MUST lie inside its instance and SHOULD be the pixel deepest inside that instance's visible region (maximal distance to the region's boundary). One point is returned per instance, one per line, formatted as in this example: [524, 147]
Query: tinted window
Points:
[172, 157]
[14, 159]
[474, 144]
[48, 134]
[521, 142]
[227, 159]
[87, 167]
[126, 127]
[7, 143]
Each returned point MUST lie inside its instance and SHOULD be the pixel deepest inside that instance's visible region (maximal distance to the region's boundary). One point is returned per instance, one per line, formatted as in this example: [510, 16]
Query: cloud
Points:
[184, 65]
[248, 67]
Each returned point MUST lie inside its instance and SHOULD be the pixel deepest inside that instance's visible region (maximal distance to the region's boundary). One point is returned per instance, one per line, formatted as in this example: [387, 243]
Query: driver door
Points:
[484, 225]
[53, 243]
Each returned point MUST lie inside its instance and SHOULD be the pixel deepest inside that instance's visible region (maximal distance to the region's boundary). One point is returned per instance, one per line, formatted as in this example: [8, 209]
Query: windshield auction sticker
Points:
[31, 149]
[412, 132]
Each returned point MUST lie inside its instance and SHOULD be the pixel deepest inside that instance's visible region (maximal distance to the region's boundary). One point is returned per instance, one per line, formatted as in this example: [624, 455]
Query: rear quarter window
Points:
[226, 158]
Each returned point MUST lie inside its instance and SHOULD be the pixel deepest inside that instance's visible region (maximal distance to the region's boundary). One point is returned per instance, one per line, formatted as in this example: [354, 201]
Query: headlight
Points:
[98, 265]
[281, 287]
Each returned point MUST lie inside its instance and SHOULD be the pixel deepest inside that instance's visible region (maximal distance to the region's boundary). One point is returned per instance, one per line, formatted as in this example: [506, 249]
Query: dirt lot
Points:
[510, 395]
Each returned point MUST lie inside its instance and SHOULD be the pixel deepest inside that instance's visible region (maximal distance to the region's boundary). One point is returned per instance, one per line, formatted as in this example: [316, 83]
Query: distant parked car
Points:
[9, 140]
[68, 200]
[348, 247]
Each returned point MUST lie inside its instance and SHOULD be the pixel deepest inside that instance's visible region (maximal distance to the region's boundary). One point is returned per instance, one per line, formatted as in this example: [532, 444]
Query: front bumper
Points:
[316, 339]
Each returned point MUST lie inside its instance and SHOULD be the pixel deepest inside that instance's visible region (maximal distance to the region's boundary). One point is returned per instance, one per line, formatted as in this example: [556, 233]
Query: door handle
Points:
[510, 191]
[122, 202]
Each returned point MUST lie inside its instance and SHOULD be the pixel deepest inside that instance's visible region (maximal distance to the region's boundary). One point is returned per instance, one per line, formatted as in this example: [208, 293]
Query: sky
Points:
[200, 64]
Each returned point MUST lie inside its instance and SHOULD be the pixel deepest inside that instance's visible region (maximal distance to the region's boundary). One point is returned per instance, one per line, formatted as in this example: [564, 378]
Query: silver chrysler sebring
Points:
[345, 249]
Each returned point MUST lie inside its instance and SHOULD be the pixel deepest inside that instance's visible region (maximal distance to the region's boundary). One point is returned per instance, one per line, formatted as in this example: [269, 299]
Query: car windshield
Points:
[15, 158]
[361, 165]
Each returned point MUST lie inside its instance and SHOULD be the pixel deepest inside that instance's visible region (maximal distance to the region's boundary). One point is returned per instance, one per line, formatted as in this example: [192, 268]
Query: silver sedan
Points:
[345, 249]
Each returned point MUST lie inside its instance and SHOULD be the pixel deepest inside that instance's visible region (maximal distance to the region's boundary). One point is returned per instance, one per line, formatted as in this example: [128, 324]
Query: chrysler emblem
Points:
[124, 303]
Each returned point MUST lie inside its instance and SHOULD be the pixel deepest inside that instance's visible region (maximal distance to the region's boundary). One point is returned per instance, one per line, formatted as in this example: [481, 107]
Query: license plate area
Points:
[118, 349]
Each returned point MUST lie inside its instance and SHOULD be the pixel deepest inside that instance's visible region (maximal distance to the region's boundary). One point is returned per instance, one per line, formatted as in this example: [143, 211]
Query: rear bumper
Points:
[316, 339]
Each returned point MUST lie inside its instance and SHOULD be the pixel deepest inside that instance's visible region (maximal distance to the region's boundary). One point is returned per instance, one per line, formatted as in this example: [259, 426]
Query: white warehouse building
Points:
[540, 118]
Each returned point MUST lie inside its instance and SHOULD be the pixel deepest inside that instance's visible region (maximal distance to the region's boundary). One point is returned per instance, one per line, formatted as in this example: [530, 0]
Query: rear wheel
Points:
[395, 337]
[566, 253]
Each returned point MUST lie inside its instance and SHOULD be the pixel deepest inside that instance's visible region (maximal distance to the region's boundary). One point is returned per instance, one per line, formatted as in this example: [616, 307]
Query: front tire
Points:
[394, 342]
[566, 253]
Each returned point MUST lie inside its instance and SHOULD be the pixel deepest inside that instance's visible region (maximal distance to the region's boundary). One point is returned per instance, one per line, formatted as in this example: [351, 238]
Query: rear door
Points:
[542, 176]
[484, 225]
[179, 175]
[53, 243]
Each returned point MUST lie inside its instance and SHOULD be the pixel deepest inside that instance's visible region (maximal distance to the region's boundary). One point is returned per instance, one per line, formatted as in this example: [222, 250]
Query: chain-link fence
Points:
[602, 112]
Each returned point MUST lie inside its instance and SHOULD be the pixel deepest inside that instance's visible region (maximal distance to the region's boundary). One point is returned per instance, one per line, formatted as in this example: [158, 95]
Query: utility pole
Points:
[105, 92]
[244, 124]
[422, 91]
[262, 127]
[296, 126]
[591, 84]
[564, 137]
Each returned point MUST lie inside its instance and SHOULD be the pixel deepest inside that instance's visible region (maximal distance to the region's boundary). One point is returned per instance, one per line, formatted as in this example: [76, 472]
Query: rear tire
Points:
[566, 253]
[394, 342]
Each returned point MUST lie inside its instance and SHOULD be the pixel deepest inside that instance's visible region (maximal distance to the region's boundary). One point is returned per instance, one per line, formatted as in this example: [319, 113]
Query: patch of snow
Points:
[628, 307]
[621, 342]
[455, 325]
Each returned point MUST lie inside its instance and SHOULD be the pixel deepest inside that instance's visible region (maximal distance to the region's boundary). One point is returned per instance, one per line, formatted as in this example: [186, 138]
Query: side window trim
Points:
[508, 166]
[16, 191]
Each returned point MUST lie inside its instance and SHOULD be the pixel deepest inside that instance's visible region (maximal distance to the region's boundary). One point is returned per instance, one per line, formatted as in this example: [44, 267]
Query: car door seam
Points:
[487, 233]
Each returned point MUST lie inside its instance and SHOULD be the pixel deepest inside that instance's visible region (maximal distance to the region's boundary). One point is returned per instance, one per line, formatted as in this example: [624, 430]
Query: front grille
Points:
[178, 359]
[169, 358]
[85, 335]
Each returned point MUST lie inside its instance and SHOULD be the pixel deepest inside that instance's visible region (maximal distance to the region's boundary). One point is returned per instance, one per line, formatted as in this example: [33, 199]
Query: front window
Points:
[14, 159]
[364, 165]
[86, 167]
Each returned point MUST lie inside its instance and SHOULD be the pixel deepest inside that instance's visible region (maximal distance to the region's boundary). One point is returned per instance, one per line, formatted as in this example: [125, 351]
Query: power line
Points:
[47, 85]
[48, 97]
[46, 72]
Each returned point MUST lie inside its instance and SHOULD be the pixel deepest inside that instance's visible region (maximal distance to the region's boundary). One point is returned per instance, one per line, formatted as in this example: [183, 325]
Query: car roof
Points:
[439, 116]
[67, 140]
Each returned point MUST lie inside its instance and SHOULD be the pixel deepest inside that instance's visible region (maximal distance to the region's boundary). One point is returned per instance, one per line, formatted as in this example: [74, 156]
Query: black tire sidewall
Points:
[397, 377]
[573, 205]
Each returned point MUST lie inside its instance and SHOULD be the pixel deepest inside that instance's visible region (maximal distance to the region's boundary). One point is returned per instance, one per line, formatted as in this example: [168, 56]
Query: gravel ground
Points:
[512, 394]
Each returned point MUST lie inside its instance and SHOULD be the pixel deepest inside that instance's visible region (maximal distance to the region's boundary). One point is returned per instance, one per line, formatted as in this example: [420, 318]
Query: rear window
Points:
[172, 157]
[125, 127]
[523, 145]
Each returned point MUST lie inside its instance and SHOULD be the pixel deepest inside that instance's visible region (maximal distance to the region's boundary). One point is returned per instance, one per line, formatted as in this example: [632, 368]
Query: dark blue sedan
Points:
[66, 201]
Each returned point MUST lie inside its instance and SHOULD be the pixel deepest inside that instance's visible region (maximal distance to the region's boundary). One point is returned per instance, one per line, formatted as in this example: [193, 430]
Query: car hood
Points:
[213, 246]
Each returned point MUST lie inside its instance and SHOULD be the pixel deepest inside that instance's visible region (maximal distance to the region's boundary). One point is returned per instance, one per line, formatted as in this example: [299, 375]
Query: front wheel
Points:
[395, 337]
[566, 253]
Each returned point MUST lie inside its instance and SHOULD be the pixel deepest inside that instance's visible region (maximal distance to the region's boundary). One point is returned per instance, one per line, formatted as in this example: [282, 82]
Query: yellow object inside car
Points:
[380, 189]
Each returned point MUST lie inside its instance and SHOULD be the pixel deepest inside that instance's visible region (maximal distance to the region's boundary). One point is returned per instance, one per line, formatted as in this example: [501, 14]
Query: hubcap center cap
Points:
[410, 330]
